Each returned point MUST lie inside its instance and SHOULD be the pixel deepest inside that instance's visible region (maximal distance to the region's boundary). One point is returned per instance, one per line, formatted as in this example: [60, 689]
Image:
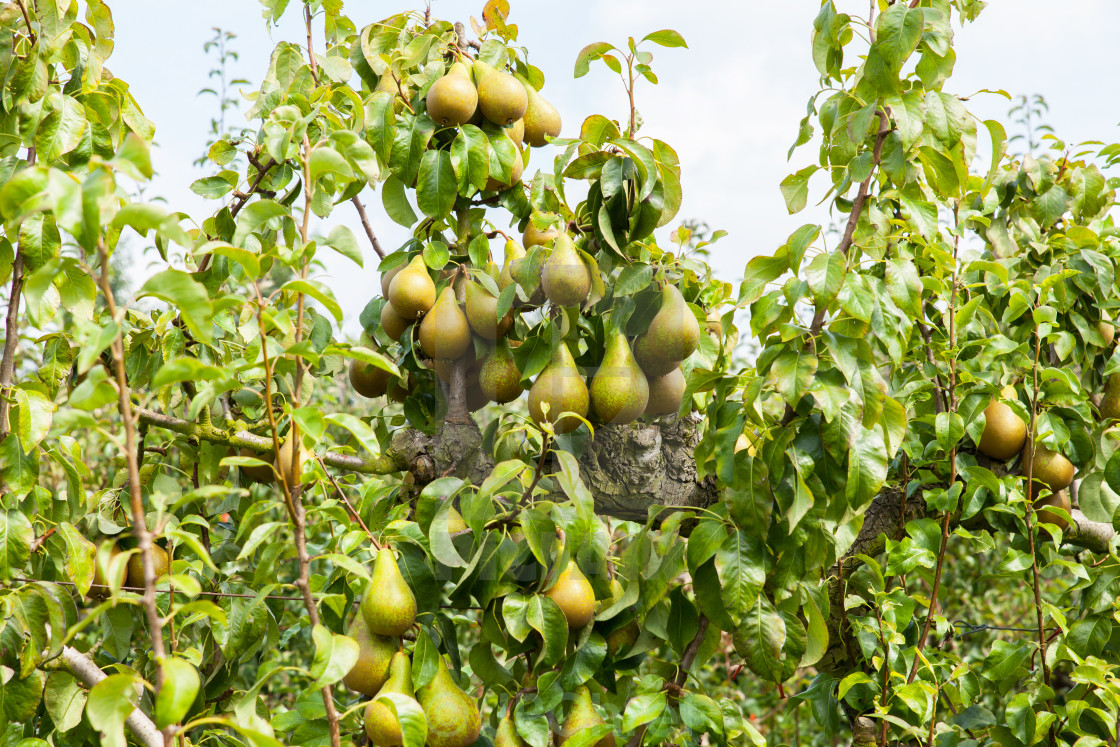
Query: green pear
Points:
[482, 312]
[666, 393]
[499, 377]
[582, 716]
[374, 654]
[541, 119]
[387, 278]
[368, 380]
[562, 388]
[453, 717]
[382, 726]
[389, 606]
[574, 596]
[1110, 404]
[507, 734]
[445, 333]
[516, 133]
[393, 323]
[565, 278]
[513, 252]
[674, 332]
[652, 364]
[534, 236]
[619, 391]
[412, 291]
[501, 97]
[1049, 468]
[452, 99]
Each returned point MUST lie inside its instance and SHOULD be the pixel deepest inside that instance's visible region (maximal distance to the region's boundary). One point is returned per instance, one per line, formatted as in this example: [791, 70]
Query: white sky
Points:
[730, 104]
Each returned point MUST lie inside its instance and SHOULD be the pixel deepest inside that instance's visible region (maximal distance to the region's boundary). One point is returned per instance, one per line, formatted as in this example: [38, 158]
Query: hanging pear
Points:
[382, 726]
[453, 717]
[482, 312]
[562, 388]
[499, 378]
[581, 717]
[389, 606]
[564, 277]
[412, 291]
[541, 119]
[374, 654]
[651, 363]
[666, 393]
[619, 391]
[393, 323]
[572, 592]
[445, 333]
[516, 132]
[674, 332]
[517, 169]
[368, 380]
[507, 735]
[452, 99]
[501, 97]
[1004, 432]
[534, 236]
[387, 278]
[1110, 403]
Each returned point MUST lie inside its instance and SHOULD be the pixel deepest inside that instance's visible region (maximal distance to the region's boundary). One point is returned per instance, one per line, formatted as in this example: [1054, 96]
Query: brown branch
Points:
[315, 77]
[136, 500]
[11, 337]
[27, 20]
[365, 224]
[350, 507]
[89, 674]
[938, 386]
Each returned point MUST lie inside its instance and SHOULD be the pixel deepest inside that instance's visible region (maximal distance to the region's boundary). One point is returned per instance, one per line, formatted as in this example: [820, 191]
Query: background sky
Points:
[730, 104]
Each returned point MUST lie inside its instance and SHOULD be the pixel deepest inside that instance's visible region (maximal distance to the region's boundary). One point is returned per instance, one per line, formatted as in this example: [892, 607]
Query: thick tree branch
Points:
[11, 337]
[368, 228]
[88, 673]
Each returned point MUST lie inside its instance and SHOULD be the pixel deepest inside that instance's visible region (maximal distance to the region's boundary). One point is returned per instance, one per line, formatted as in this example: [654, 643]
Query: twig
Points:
[83, 668]
[41, 539]
[938, 386]
[11, 332]
[136, 500]
[26, 19]
[315, 77]
[674, 688]
[365, 224]
[349, 506]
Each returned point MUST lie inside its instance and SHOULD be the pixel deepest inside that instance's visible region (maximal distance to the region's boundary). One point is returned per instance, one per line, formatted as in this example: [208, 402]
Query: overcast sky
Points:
[730, 104]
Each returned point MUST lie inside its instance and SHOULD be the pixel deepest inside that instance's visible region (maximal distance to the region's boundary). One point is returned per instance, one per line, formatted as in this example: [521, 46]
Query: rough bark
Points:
[88, 673]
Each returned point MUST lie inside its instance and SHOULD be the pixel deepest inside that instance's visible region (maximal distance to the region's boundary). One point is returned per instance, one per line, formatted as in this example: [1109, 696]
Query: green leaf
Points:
[65, 700]
[145, 217]
[61, 130]
[185, 293]
[39, 241]
[180, 686]
[327, 160]
[589, 54]
[395, 200]
[185, 369]
[795, 188]
[546, 617]
[792, 373]
[335, 655]
[343, 241]
[110, 701]
[899, 30]
[414, 725]
[16, 535]
[759, 639]
[666, 38]
[825, 275]
[254, 217]
[316, 290]
[741, 565]
[436, 187]
[80, 554]
[867, 467]
[470, 157]
[20, 697]
[643, 709]
[212, 187]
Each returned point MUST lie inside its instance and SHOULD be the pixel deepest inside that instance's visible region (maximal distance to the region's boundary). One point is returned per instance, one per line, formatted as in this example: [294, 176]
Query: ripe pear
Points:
[99, 589]
[453, 717]
[374, 654]
[564, 277]
[541, 119]
[513, 252]
[283, 462]
[501, 97]
[516, 133]
[393, 323]
[260, 475]
[619, 391]
[674, 332]
[562, 388]
[412, 291]
[621, 639]
[1048, 467]
[499, 378]
[482, 313]
[389, 606]
[452, 99]
[534, 236]
[368, 380]
[1004, 432]
[1110, 404]
[517, 169]
[1056, 500]
[507, 735]
[387, 279]
[382, 726]
[581, 717]
[572, 592]
[1107, 330]
[651, 363]
[160, 566]
[445, 333]
[666, 393]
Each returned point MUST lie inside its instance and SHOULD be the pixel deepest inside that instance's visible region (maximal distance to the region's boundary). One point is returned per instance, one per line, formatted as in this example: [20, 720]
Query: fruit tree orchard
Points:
[539, 501]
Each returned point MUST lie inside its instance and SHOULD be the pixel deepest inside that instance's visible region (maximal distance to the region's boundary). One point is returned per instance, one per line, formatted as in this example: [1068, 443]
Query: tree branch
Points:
[365, 224]
[88, 673]
[11, 337]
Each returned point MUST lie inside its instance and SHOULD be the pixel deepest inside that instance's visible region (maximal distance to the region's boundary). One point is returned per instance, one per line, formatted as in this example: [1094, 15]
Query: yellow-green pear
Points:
[387, 278]
[666, 393]
[499, 377]
[572, 592]
[445, 333]
[482, 312]
[534, 236]
[283, 461]
[652, 364]
[261, 475]
[619, 391]
[561, 387]
[516, 133]
[382, 726]
[374, 654]
[501, 97]
[507, 735]
[1047, 467]
[674, 332]
[1107, 330]
[412, 291]
[565, 278]
[1110, 404]
[452, 99]
[368, 380]
[389, 606]
[1004, 432]
[542, 121]
[99, 589]
[453, 717]
[160, 566]
[393, 323]
[513, 252]
[1055, 500]
[581, 717]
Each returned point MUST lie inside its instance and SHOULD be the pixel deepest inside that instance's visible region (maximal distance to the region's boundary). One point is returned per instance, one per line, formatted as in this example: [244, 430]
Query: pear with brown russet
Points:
[501, 97]
[160, 566]
[1004, 432]
[564, 277]
[375, 652]
[542, 121]
[666, 393]
[368, 380]
[393, 323]
[672, 336]
[482, 312]
[445, 333]
[1047, 467]
[452, 99]
[507, 735]
[581, 717]
[619, 391]
[453, 717]
[389, 606]
[534, 236]
[412, 291]
[574, 596]
[1043, 508]
[1110, 404]
[382, 725]
[561, 387]
[499, 377]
